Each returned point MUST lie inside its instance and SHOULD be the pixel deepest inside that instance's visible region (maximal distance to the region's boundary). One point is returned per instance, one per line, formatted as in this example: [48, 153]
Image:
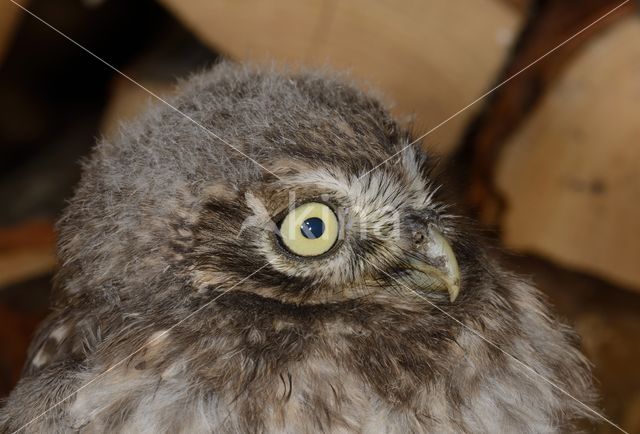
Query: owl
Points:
[270, 253]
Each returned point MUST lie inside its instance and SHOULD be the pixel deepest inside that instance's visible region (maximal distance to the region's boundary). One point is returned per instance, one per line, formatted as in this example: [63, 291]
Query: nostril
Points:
[419, 237]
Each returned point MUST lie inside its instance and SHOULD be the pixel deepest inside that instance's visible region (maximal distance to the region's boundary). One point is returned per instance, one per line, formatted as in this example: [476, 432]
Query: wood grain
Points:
[570, 174]
[565, 28]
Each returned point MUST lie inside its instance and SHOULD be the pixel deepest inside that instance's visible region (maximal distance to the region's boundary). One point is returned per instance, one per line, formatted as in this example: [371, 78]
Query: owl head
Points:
[249, 170]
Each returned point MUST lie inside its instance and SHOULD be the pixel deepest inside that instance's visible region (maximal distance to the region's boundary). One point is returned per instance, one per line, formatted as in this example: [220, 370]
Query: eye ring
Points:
[309, 230]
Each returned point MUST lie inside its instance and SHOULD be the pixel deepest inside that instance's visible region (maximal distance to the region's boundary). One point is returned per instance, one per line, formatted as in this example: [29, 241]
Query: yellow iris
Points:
[309, 230]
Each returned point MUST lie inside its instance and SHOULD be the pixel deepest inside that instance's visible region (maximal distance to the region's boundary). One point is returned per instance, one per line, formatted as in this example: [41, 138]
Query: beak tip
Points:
[454, 291]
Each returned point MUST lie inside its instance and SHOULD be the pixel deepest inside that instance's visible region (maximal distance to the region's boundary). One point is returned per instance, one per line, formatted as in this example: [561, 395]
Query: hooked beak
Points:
[439, 270]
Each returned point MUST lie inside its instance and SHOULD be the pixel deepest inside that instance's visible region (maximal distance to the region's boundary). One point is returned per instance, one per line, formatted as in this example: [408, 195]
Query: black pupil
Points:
[312, 228]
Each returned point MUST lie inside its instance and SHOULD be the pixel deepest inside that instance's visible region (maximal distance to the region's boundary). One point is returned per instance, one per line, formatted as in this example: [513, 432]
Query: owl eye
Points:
[309, 230]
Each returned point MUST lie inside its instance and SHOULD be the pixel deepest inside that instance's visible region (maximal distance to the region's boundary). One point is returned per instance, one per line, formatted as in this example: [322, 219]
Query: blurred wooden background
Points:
[549, 161]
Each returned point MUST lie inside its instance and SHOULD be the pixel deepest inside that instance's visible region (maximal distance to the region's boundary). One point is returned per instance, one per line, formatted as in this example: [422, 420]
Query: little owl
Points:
[241, 262]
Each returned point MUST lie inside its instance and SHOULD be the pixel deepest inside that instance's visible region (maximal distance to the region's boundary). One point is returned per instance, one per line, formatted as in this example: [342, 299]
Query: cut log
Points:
[558, 28]
[430, 58]
[570, 174]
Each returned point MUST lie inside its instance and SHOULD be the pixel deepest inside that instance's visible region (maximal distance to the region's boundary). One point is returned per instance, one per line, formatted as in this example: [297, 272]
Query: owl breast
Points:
[297, 370]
